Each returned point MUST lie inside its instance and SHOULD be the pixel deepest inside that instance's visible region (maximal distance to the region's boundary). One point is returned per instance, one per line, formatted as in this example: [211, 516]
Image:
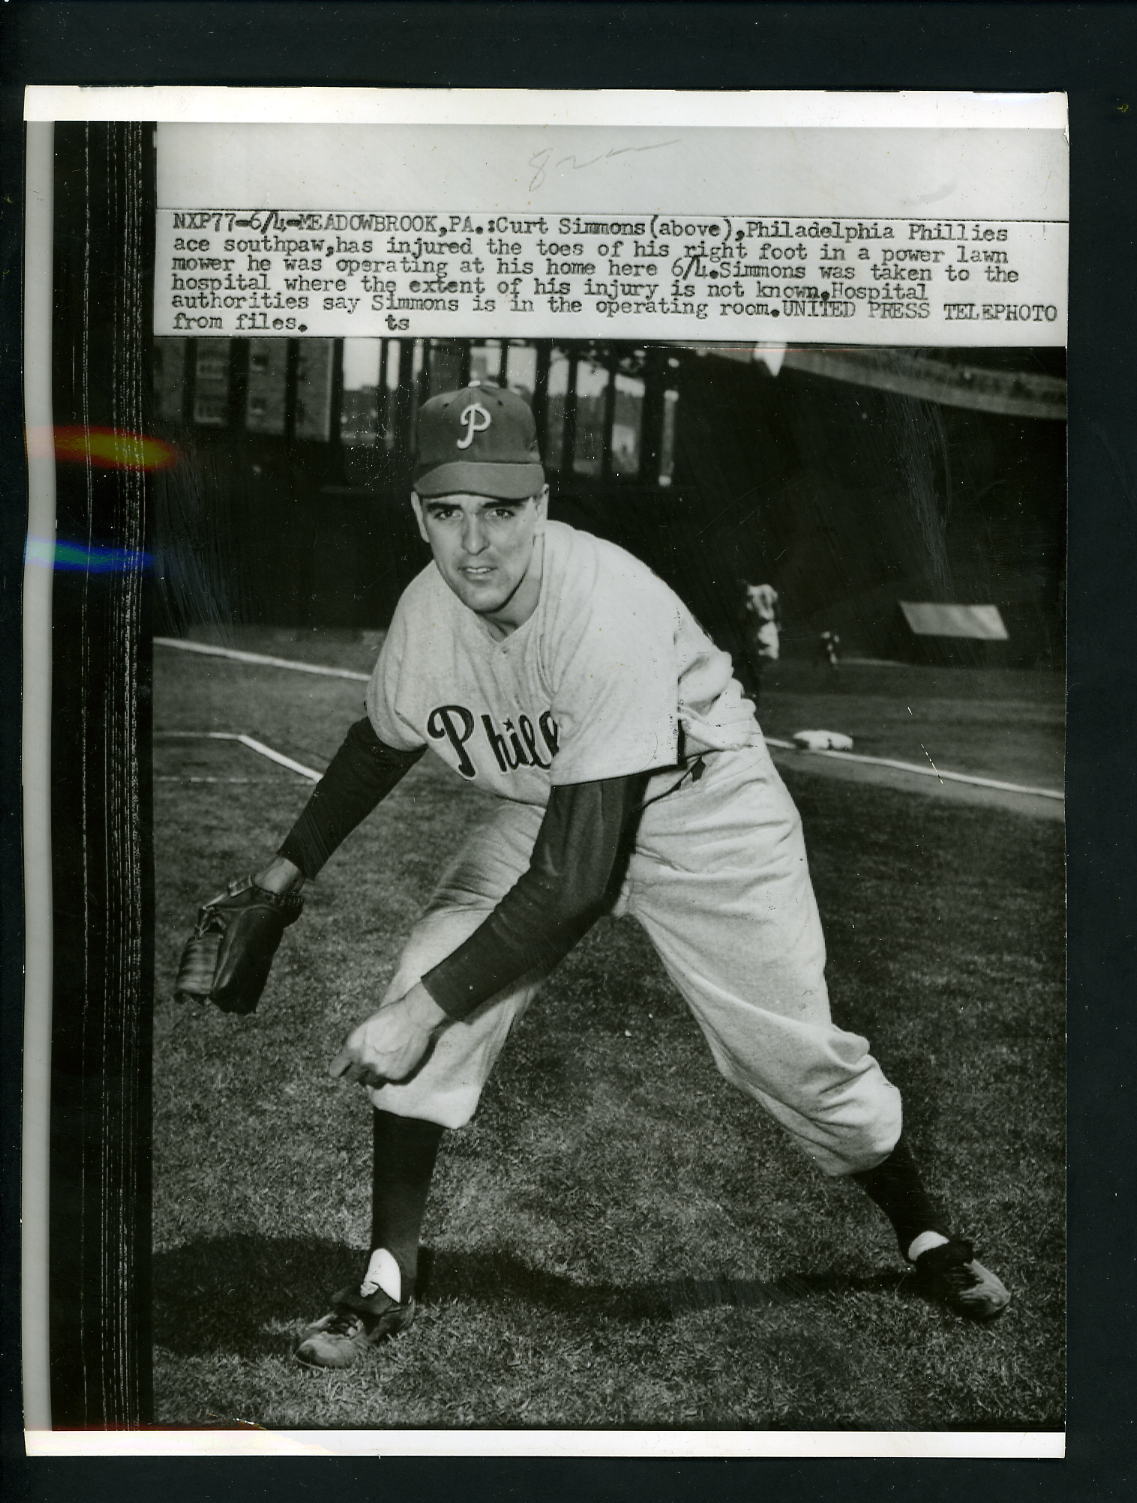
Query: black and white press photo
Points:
[557, 740]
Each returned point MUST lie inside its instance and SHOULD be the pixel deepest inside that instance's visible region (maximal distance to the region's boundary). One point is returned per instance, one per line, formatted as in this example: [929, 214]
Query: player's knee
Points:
[861, 1124]
[877, 1135]
[449, 1109]
[851, 1150]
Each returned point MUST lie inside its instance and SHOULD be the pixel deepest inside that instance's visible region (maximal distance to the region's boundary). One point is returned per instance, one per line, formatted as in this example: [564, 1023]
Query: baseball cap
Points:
[481, 440]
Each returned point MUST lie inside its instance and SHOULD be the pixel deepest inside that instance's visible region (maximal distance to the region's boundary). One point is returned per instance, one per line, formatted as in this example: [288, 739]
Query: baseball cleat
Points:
[950, 1275]
[355, 1324]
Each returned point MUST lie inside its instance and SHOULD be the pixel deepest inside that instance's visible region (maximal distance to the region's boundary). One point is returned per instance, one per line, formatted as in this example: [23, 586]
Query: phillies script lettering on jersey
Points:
[514, 746]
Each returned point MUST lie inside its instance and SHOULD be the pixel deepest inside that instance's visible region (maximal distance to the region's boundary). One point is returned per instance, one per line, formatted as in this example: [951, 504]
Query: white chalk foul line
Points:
[274, 756]
[251, 742]
[208, 650]
[923, 772]
[914, 767]
[183, 779]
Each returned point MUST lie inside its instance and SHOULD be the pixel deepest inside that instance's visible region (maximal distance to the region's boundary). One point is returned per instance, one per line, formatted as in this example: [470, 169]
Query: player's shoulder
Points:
[580, 558]
[421, 618]
[598, 589]
[426, 591]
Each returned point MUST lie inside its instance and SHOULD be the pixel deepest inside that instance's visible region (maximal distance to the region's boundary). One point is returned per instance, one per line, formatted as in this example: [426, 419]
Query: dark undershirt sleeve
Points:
[359, 776]
[578, 861]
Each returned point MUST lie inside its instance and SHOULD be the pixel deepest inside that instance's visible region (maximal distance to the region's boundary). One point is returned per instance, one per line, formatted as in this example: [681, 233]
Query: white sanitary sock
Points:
[924, 1243]
[383, 1273]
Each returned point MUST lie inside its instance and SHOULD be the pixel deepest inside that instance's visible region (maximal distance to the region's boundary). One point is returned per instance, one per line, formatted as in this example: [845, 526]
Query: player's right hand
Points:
[393, 1043]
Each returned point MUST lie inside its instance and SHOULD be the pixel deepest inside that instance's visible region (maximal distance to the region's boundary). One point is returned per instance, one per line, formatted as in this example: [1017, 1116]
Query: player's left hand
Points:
[392, 1043]
[227, 958]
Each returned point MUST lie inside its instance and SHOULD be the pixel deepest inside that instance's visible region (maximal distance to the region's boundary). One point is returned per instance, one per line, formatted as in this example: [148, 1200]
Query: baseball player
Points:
[761, 633]
[557, 672]
[764, 612]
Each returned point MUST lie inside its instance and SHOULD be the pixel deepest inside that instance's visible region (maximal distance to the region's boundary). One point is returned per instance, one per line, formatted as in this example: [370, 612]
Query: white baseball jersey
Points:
[611, 675]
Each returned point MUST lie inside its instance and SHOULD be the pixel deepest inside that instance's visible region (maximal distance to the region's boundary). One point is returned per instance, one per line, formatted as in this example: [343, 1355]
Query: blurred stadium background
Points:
[855, 480]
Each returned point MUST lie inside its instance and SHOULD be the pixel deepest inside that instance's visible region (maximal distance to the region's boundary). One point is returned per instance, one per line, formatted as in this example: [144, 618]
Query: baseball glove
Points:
[226, 959]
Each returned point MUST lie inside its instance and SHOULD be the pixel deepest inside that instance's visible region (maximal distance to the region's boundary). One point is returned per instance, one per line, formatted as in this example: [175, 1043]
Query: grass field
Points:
[618, 1240]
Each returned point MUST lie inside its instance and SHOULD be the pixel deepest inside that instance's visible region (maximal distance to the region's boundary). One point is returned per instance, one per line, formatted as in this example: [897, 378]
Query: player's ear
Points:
[416, 507]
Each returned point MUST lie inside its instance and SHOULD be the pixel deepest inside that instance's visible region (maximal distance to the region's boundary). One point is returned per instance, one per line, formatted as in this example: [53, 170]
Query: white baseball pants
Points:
[719, 881]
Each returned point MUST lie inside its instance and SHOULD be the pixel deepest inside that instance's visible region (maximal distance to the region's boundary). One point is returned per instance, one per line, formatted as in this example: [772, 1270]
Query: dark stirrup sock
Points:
[402, 1163]
[896, 1187]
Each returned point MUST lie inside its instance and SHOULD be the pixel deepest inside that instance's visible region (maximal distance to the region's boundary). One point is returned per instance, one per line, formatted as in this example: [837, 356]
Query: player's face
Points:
[488, 552]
